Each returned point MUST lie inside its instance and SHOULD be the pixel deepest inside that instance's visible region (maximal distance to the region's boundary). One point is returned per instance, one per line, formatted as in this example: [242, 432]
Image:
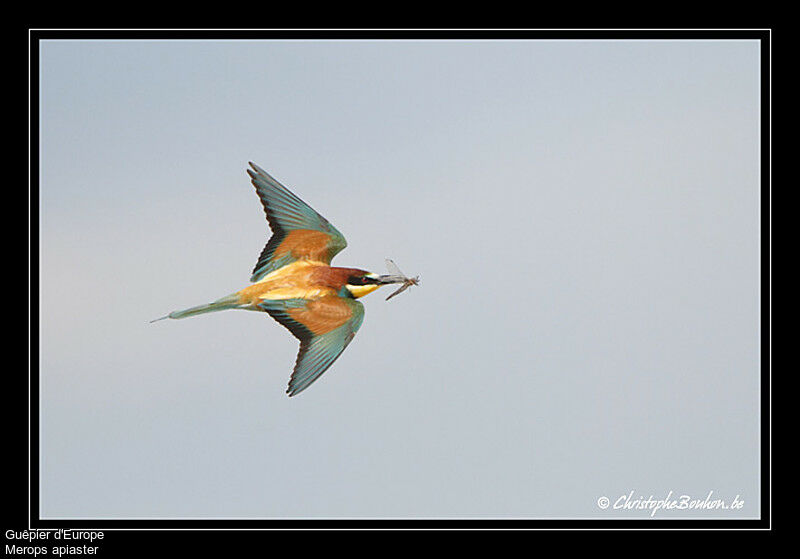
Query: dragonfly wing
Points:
[393, 269]
[402, 288]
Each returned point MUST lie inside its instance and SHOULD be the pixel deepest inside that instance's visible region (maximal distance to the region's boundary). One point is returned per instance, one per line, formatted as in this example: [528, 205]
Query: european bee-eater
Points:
[294, 282]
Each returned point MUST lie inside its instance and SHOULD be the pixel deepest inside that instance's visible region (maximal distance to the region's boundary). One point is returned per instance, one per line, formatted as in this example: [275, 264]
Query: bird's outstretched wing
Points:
[298, 231]
[324, 327]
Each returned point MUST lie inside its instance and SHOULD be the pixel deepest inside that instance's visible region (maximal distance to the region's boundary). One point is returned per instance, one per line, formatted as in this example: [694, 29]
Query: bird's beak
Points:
[389, 278]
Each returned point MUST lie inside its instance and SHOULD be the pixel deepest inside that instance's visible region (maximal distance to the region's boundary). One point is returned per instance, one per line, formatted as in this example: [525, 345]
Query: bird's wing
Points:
[298, 231]
[324, 327]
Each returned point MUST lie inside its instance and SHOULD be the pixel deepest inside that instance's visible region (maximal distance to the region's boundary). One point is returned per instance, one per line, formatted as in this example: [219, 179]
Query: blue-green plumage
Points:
[317, 352]
[285, 213]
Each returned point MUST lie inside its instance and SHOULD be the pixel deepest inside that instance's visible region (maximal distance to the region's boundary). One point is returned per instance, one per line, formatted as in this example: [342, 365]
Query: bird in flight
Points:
[294, 282]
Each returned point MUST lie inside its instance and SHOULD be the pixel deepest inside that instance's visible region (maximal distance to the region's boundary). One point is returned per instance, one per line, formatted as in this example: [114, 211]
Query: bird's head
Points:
[362, 282]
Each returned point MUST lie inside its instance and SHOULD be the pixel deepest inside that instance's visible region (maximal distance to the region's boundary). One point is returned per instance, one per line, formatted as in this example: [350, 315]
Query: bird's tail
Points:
[228, 302]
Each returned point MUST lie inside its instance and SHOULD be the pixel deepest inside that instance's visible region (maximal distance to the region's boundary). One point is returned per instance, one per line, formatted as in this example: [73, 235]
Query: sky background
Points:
[584, 216]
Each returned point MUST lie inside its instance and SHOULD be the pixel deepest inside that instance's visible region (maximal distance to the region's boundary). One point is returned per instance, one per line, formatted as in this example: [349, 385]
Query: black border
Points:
[194, 529]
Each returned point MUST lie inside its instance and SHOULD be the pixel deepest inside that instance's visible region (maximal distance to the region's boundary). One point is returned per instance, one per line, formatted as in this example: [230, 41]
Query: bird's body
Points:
[294, 282]
[303, 279]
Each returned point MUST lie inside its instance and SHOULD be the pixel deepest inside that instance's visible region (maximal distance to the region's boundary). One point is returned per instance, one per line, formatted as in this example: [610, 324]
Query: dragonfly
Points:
[395, 275]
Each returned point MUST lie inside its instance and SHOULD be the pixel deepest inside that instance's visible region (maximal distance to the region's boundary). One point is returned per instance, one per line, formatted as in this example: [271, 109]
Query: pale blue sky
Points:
[584, 216]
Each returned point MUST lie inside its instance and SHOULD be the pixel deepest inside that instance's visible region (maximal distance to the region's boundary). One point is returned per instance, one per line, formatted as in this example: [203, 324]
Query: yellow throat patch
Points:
[361, 290]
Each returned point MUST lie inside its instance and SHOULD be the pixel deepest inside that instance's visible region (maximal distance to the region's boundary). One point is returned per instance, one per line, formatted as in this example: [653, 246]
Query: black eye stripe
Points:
[362, 280]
